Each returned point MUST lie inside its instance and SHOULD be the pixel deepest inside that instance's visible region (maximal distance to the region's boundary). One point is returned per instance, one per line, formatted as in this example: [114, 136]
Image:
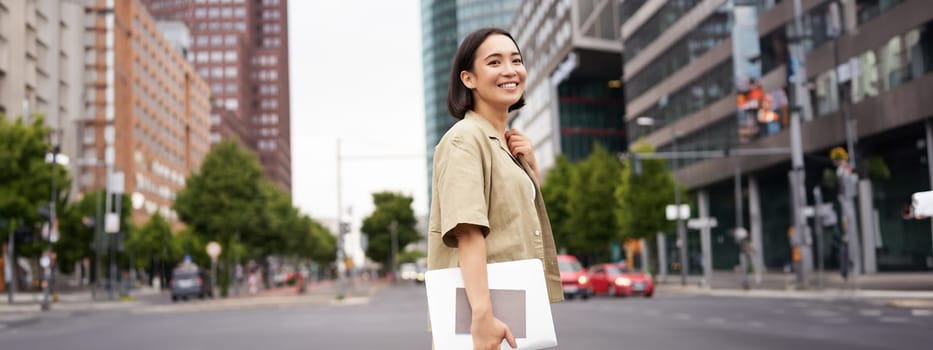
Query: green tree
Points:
[152, 241]
[225, 197]
[324, 249]
[641, 198]
[556, 189]
[76, 223]
[25, 178]
[390, 207]
[410, 256]
[589, 204]
[187, 243]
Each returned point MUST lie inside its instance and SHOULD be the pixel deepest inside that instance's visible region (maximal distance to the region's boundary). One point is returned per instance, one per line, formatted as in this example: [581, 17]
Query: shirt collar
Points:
[484, 124]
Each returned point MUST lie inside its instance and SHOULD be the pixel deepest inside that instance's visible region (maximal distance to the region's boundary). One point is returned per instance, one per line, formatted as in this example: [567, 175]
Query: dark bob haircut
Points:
[459, 97]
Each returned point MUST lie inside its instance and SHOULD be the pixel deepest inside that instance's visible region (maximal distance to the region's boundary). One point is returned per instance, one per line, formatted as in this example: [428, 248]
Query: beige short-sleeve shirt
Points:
[477, 181]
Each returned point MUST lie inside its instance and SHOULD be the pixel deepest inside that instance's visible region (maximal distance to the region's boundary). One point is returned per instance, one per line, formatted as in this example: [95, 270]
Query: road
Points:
[396, 318]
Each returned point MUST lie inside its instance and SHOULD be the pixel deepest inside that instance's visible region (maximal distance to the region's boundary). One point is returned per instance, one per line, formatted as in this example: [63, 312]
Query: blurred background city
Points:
[719, 174]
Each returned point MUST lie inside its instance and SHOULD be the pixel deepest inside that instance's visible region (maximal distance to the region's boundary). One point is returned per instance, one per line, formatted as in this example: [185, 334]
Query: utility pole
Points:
[818, 230]
[393, 230]
[340, 230]
[9, 268]
[681, 231]
[48, 259]
[838, 29]
[797, 177]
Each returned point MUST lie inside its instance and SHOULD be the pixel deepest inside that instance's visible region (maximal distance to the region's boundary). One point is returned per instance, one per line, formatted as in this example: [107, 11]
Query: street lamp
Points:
[48, 259]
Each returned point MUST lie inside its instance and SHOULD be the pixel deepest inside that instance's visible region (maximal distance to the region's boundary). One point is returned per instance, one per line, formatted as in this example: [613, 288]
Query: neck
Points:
[497, 117]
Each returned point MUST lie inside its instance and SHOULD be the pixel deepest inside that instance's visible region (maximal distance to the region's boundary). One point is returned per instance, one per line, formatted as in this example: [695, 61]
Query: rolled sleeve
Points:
[461, 189]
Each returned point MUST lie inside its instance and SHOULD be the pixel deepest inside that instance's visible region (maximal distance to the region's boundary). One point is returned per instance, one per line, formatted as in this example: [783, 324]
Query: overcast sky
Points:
[356, 75]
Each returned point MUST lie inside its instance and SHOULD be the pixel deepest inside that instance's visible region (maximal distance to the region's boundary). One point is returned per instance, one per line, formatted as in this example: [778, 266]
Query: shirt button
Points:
[537, 232]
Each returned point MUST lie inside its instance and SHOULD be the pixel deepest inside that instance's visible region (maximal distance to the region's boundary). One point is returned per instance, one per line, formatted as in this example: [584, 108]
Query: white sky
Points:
[356, 75]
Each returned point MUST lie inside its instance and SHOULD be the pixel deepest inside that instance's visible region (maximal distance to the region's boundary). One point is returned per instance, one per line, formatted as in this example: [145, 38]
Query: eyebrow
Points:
[494, 54]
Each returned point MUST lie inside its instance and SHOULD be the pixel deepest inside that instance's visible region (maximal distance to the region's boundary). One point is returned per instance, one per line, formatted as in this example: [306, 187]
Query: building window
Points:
[230, 56]
[231, 72]
[231, 88]
[232, 104]
[230, 40]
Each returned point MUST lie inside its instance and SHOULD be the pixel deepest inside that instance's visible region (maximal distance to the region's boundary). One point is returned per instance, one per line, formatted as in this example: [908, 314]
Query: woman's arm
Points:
[486, 329]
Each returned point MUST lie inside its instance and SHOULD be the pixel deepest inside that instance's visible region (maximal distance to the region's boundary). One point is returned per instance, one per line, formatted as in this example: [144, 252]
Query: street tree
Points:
[324, 248]
[641, 198]
[225, 197]
[26, 178]
[151, 241]
[556, 189]
[390, 207]
[77, 222]
[592, 225]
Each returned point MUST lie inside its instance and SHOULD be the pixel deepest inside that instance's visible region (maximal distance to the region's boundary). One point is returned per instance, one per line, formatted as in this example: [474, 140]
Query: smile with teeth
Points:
[508, 85]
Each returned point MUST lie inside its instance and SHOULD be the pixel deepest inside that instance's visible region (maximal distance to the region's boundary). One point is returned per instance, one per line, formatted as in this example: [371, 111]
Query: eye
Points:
[517, 61]
[493, 62]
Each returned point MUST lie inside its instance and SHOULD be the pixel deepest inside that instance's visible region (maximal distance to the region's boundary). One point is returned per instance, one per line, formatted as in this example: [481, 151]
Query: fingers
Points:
[510, 338]
[518, 143]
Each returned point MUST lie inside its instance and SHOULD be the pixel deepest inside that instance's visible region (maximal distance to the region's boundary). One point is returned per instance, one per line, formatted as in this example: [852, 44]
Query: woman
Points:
[486, 205]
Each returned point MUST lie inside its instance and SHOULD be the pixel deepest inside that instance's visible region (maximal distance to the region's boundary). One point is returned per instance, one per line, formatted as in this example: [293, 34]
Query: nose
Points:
[509, 70]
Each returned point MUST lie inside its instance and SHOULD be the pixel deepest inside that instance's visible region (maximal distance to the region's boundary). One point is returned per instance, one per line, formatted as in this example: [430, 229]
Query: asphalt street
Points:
[396, 318]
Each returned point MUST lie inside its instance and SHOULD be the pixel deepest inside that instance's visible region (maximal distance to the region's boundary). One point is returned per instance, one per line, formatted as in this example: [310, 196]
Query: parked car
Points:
[618, 280]
[573, 277]
[189, 281]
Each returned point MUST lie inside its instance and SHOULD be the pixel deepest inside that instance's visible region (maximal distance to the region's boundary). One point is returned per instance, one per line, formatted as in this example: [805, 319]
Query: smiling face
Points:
[498, 74]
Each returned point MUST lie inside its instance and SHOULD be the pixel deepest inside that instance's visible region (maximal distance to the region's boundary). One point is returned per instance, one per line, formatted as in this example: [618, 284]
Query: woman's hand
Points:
[520, 144]
[488, 332]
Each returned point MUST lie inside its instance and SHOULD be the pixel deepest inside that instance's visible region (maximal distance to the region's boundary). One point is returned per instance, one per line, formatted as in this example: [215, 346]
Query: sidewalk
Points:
[910, 288]
[27, 308]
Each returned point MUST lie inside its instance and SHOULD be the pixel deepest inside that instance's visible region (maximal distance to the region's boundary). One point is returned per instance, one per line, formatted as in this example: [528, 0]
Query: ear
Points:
[467, 79]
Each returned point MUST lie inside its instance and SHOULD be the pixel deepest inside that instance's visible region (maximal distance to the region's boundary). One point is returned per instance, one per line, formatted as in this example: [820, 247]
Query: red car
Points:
[573, 277]
[618, 280]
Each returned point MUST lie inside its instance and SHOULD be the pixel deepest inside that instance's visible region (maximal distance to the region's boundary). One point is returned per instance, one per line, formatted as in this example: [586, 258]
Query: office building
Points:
[574, 95]
[682, 82]
[146, 110]
[42, 67]
[240, 47]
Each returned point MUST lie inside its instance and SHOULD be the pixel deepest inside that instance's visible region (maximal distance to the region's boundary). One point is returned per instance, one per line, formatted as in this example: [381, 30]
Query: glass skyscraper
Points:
[444, 23]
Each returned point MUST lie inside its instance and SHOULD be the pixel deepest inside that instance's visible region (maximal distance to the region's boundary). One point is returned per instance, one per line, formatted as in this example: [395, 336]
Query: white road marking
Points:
[715, 320]
[682, 317]
[894, 320]
[921, 312]
[757, 324]
[870, 312]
